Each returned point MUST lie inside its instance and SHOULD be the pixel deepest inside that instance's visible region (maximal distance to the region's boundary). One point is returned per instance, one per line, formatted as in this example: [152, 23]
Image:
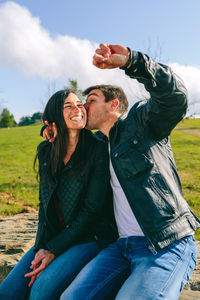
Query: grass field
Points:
[19, 188]
[186, 147]
[18, 185]
[189, 124]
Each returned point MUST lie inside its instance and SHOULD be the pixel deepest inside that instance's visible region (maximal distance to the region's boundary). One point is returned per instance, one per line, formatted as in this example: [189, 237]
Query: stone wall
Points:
[192, 289]
[17, 235]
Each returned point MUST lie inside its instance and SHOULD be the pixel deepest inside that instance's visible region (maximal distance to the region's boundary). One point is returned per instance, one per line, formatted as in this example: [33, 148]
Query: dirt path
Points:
[195, 132]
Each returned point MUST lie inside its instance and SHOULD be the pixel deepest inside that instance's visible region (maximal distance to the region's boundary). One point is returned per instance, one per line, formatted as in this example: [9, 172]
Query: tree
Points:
[6, 119]
[37, 117]
[73, 84]
[51, 89]
[28, 120]
[24, 121]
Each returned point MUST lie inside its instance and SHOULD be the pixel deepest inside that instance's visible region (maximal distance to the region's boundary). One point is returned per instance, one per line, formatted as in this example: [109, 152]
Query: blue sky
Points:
[44, 43]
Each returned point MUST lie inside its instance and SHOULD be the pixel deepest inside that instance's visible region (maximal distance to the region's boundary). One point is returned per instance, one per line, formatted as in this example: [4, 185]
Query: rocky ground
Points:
[192, 289]
[17, 235]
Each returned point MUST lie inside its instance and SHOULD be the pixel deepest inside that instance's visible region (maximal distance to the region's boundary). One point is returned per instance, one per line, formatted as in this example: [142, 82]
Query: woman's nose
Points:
[76, 108]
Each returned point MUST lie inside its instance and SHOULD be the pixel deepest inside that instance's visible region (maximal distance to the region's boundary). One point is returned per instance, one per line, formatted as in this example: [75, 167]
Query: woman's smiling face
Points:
[74, 113]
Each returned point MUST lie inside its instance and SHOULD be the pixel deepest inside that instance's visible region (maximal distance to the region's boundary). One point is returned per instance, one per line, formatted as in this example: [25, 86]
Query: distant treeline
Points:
[8, 120]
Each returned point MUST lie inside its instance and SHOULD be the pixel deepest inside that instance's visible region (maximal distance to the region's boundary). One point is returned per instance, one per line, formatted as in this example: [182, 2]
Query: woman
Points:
[73, 193]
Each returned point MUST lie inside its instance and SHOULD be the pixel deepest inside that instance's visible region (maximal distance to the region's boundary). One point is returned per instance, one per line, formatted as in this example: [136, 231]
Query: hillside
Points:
[19, 188]
[18, 185]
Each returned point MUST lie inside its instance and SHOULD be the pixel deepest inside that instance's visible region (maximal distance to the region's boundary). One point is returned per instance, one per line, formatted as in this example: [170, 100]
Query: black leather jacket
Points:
[142, 156]
[85, 198]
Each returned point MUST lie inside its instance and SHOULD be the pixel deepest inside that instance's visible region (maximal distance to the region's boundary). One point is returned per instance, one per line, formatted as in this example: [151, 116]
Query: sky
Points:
[44, 43]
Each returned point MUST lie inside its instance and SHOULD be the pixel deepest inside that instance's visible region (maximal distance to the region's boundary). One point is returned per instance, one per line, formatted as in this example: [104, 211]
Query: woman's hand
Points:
[50, 132]
[33, 278]
[41, 260]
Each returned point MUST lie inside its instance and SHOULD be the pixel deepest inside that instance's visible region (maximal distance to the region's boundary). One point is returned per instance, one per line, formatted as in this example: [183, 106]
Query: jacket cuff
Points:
[136, 69]
[56, 252]
[39, 246]
[56, 246]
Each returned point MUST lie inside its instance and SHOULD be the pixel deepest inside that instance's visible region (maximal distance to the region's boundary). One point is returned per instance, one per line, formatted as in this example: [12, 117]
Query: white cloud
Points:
[191, 78]
[29, 48]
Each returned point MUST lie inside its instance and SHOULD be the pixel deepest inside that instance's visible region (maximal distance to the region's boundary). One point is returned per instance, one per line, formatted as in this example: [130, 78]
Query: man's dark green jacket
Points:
[85, 199]
[142, 157]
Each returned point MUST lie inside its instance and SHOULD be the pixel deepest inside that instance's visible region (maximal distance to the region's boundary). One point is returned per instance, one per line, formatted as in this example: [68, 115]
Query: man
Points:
[155, 224]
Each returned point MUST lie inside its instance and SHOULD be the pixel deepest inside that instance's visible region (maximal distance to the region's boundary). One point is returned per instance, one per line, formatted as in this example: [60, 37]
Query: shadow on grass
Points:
[16, 197]
[17, 185]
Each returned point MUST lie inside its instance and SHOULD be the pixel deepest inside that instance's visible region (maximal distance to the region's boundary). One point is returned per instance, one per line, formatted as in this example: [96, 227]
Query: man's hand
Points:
[41, 260]
[110, 56]
[50, 132]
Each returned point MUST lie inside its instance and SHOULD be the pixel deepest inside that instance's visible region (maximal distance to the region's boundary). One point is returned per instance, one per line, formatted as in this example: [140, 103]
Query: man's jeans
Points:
[152, 277]
[53, 280]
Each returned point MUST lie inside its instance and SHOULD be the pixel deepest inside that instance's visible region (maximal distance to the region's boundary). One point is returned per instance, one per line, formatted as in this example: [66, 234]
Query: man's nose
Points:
[86, 106]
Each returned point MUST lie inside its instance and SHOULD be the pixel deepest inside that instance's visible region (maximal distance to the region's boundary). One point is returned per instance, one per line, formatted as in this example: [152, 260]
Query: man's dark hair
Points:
[111, 92]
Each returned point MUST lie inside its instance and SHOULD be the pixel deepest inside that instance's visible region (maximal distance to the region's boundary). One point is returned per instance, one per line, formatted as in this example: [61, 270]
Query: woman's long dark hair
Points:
[56, 151]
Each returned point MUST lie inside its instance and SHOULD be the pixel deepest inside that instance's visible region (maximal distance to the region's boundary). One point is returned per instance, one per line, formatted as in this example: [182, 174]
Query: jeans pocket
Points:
[189, 270]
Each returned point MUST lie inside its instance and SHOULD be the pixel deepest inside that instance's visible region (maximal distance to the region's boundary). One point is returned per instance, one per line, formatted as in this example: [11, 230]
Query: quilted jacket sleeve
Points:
[40, 236]
[40, 240]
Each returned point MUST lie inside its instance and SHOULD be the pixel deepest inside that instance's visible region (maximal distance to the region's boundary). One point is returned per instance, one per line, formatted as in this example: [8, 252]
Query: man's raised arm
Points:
[168, 102]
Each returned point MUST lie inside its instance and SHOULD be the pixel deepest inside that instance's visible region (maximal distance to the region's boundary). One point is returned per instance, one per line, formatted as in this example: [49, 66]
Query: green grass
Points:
[189, 124]
[18, 185]
[19, 188]
[186, 148]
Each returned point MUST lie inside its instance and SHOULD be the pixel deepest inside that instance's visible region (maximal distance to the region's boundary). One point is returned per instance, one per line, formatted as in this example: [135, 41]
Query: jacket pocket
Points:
[160, 189]
[131, 162]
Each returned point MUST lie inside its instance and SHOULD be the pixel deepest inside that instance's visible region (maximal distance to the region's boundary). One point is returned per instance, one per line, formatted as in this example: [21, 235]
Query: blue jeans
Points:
[53, 280]
[152, 277]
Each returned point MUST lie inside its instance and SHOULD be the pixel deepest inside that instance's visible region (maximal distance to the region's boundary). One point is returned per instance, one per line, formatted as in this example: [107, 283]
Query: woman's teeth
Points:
[76, 118]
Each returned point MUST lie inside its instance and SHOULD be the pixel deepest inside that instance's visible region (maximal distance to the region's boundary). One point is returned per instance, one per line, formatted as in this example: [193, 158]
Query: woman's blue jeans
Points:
[151, 277]
[53, 280]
